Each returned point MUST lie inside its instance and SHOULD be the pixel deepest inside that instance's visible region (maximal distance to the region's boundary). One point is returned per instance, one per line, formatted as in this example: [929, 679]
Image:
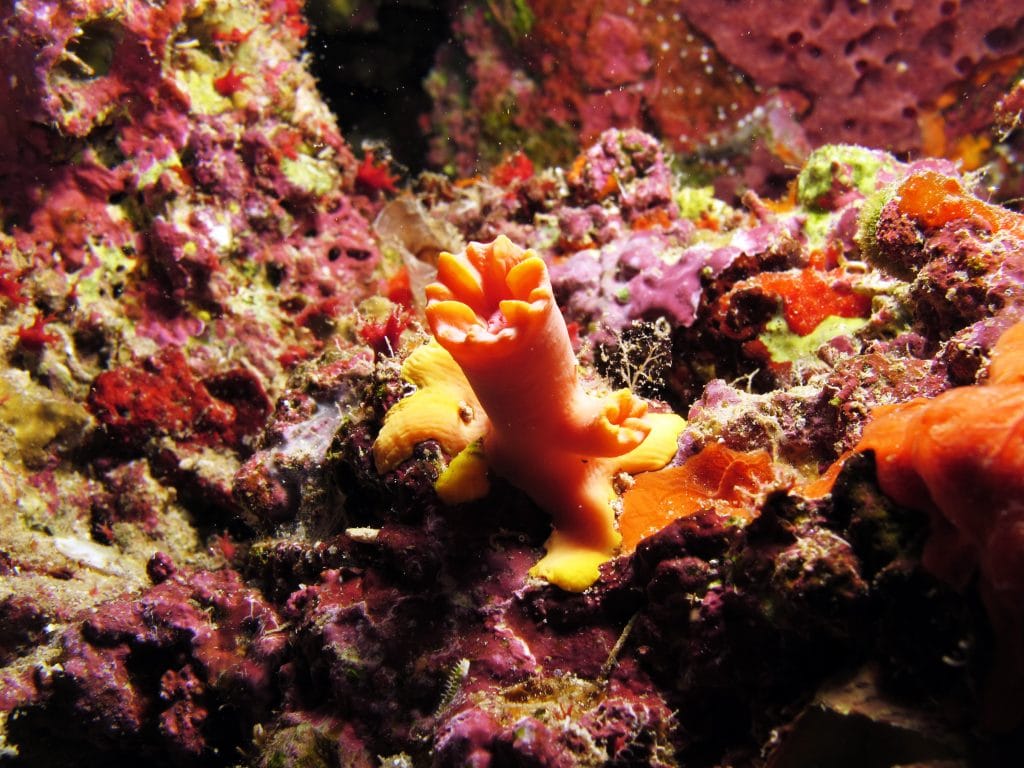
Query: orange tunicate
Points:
[717, 478]
[809, 296]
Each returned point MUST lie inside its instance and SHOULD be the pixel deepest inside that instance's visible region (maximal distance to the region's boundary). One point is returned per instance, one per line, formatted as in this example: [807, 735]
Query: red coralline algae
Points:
[163, 396]
[82, 61]
[629, 167]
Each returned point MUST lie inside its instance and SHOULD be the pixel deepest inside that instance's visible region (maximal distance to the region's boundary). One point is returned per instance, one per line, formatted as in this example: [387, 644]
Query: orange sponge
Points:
[718, 478]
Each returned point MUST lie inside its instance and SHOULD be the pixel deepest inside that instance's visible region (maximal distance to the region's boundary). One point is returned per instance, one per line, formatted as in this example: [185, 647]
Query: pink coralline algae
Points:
[188, 229]
[874, 73]
[202, 561]
[182, 187]
[171, 658]
[650, 274]
[629, 163]
[532, 78]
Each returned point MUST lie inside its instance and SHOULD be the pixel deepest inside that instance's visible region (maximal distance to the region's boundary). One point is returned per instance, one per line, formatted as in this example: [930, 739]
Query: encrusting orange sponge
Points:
[717, 478]
[493, 309]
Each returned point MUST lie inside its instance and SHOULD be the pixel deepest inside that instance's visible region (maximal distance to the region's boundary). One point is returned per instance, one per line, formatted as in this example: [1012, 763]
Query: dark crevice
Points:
[371, 70]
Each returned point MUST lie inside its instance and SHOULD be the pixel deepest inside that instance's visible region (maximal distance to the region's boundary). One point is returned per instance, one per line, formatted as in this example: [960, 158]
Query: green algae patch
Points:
[108, 279]
[158, 168]
[202, 92]
[514, 16]
[784, 346]
[314, 176]
[817, 228]
[867, 232]
[695, 203]
[839, 166]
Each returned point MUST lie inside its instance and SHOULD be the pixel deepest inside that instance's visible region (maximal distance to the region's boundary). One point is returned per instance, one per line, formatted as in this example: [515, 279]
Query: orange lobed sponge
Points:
[493, 309]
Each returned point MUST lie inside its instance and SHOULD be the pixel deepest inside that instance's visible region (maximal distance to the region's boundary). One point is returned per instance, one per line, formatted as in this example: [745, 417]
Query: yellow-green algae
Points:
[848, 165]
[35, 416]
[785, 346]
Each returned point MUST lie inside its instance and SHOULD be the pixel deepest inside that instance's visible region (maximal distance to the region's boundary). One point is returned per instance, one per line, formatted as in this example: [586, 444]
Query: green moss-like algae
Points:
[847, 165]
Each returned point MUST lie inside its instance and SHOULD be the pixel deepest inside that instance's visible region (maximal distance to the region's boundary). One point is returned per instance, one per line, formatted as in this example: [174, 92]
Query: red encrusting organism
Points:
[515, 167]
[934, 200]
[230, 83]
[288, 12]
[373, 176]
[399, 288]
[383, 336]
[232, 36]
[162, 396]
[287, 143]
[809, 296]
[35, 336]
[10, 287]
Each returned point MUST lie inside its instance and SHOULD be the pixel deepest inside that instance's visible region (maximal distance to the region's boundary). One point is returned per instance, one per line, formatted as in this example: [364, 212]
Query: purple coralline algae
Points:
[173, 656]
[719, 77]
[897, 60]
[648, 274]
